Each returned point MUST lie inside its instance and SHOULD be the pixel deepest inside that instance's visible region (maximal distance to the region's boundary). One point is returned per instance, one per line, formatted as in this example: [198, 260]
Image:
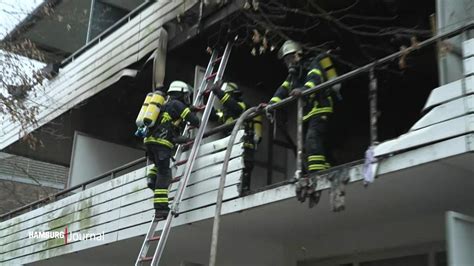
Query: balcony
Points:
[420, 175]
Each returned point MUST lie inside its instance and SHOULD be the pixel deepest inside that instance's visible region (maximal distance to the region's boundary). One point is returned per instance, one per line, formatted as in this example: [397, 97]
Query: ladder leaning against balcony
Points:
[210, 78]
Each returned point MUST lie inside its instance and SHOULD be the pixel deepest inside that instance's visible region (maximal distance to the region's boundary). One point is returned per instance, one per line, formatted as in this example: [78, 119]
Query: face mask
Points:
[292, 63]
[187, 99]
[290, 60]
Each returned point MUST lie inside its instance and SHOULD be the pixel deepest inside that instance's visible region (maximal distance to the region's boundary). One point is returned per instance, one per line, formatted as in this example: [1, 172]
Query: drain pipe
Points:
[220, 193]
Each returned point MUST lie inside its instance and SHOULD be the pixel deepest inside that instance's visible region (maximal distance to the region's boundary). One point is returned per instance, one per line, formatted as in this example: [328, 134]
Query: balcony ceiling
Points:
[59, 27]
[128, 5]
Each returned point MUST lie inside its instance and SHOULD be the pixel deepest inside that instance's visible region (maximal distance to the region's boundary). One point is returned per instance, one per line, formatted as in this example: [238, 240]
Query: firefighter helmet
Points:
[289, 47]
[179, 86]
[232, 88]
[181, 89]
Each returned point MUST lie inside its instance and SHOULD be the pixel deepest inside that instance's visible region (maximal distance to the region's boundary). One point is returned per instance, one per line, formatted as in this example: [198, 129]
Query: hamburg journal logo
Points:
[67, 236]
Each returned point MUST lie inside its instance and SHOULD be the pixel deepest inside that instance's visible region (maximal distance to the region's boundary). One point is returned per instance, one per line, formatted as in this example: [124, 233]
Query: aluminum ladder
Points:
[210, 77]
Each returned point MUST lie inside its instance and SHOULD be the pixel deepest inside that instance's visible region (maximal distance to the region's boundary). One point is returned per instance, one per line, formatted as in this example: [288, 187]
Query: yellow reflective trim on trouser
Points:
[275, 100]
[286, 84]
[185, 112]
[242, 104]
[225, 98]
[316, 167]
[328, 165]
[315, 71]
[160, 200]
[152, 170]
[316, 158]
[161, 191]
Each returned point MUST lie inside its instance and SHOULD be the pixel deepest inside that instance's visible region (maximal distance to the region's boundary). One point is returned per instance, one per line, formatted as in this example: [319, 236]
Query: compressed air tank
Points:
[328, 67]
[141, 114]
[153, 109]
[257, 128]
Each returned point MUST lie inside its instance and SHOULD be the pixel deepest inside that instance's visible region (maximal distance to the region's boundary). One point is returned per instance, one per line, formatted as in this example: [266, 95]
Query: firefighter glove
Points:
[297, 92]
[217, 86]
[181, 140]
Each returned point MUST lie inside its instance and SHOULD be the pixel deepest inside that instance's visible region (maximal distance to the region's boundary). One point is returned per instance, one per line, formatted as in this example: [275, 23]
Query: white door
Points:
[460, 239]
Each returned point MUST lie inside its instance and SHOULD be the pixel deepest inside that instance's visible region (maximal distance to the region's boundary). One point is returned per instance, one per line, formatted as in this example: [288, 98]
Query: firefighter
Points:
[161, 139]
[233, 106]
[305, 73]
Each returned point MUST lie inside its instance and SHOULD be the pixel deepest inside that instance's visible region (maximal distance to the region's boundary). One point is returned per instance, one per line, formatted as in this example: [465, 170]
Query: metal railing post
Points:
[373, 107]
[299, 138]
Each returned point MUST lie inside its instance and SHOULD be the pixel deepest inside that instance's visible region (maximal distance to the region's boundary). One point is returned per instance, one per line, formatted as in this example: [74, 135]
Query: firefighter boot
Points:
[161, 203]
[162, 213]
[245, 183]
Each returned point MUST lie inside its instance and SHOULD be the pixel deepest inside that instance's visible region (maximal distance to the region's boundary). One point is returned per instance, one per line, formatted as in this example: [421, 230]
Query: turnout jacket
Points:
[169, 123]
[310, 74]
[231, 111]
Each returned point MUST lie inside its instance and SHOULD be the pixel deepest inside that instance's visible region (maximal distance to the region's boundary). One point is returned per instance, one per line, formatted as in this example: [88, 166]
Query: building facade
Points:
[416, 212]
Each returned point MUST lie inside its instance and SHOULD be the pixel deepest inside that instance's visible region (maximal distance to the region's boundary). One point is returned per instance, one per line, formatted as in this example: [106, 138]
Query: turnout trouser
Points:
[159, 176]
[315, 141]
[249, 154]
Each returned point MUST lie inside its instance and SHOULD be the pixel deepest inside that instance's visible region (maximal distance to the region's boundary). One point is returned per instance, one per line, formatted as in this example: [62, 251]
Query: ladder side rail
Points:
[154, 222]
[146, 245]
[190, 163]
[202, 88]
[202, 128]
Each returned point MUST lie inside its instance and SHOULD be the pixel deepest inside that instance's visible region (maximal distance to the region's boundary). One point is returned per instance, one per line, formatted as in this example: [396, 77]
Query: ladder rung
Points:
[155, 238]
[146, 258]
[217, 59]
[200, 108]
[181, 162]
[211, 76]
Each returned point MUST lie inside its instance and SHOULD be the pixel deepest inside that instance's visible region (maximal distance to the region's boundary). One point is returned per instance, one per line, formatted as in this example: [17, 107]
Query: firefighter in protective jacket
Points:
[230, 97]
[161, 139]
[305, 73]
